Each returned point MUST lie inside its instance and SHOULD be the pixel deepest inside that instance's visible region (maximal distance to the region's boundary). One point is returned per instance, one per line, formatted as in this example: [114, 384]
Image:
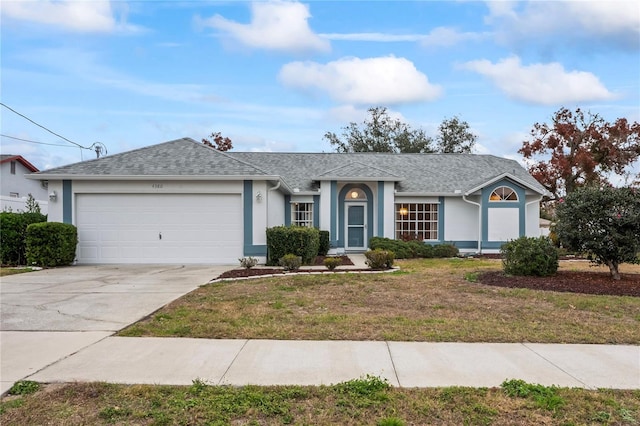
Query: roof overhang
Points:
[54, 176]
[510, 177]
[20, 159]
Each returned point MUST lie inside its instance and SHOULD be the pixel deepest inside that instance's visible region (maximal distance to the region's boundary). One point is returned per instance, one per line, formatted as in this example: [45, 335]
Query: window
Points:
[302, 214]
[13, 167]
[416, 221]
[503, 193]
[14, 195]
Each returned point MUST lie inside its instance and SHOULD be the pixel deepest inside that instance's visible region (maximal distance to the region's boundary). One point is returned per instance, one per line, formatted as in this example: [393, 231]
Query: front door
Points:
[356, 226]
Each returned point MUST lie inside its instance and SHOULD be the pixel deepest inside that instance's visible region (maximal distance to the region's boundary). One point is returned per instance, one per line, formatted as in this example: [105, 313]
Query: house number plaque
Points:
[157, 185]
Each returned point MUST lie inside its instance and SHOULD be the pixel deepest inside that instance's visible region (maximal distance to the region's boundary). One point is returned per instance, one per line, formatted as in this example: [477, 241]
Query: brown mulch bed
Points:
[257, 271]
[568, 281]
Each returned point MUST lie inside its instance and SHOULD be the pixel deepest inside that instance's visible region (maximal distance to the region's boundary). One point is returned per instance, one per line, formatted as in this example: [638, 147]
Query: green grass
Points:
[428, 300]
[5, 271]
[368, 400]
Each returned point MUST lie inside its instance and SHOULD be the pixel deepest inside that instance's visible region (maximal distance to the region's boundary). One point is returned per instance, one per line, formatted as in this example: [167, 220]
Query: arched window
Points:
[503, 193]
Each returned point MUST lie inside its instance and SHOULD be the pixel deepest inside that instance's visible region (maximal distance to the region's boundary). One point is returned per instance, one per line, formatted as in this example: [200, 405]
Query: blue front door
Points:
[356, 226]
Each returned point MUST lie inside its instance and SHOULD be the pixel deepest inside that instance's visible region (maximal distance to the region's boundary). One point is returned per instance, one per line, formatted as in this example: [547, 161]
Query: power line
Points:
[43, 127]
[41, 143]
[98, 147]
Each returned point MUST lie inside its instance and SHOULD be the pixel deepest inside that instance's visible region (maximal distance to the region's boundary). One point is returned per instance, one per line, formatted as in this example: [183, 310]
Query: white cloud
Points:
[447, 37]
[78, 16]
[278, 25]
[373, 81]
[613, 23]
[546, 84]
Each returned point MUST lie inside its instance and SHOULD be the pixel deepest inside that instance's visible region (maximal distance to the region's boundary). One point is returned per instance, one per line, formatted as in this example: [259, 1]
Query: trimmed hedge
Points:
[379, 259]
[298, 240]
[530, 256]
[323, 249]
[51, 244]
[413, 248]
[13, 231]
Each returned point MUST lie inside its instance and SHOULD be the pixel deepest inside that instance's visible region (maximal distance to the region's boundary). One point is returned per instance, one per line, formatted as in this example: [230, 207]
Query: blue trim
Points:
[257, 250]
[67, 205]
[381, 209]
[334, 221]
[341, 211]
[247, 210]
[316, 211]
[287, 210]
[486, 205]
[441, 218]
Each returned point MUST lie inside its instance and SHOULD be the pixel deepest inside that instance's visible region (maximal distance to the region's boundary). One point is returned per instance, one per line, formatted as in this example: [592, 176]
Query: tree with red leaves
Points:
[218, 142]
[579, 149]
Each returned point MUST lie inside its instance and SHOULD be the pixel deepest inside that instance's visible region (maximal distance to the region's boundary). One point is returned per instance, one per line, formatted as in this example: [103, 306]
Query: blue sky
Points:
[275, 76]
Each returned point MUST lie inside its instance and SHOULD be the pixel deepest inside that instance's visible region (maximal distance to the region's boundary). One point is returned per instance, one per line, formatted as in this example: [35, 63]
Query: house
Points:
[15, 188]
[184, 202]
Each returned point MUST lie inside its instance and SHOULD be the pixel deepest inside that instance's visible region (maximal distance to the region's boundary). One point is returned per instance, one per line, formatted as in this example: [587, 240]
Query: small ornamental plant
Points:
[379, 259]
[290, 262]
[332, 262]
[248, 262]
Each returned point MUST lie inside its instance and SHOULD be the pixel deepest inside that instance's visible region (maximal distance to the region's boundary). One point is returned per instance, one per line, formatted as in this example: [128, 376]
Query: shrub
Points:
[379, 259]
[530, 256]
[604, 223]
[290, 262]
[401, 249]
[297, 240]
[324, 243]
[445, 250]
[420, 249]
[13, 232]
[332, 262]
[24, 387]
[51, 244]
[248, 262]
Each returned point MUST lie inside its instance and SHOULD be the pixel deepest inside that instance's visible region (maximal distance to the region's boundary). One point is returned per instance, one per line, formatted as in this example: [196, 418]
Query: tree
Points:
[602, 222]
[380, 133]
[32, 205]
[579, 149]
[454, 136]
[218, 142]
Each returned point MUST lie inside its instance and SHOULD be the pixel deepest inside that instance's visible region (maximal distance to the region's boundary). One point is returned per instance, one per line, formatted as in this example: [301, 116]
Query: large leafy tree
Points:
[578, 149]
[454, 136]
[602, 222]
[380, 133]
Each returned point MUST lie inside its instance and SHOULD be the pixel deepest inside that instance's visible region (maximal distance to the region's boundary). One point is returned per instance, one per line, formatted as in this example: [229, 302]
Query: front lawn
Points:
[427, 300]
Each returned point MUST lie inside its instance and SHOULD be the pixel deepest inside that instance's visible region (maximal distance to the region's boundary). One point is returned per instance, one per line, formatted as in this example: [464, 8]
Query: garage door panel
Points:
[125, 228]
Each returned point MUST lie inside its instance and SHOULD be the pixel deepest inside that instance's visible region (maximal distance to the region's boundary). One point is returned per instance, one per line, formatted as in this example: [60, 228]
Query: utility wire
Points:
[98, 147]
[41, 143]
[43, 127]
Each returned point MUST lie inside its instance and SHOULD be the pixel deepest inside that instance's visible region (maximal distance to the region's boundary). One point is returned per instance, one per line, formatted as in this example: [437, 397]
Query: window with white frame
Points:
[417, 221]
[302, 214]
[503, 193]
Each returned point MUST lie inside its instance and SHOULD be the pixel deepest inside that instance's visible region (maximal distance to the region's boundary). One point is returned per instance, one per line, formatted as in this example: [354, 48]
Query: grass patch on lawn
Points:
[367, 400]
[430, 300]
[4, 271]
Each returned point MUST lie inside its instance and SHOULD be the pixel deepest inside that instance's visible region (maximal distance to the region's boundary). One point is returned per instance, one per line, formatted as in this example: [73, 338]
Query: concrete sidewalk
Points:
[179, 361]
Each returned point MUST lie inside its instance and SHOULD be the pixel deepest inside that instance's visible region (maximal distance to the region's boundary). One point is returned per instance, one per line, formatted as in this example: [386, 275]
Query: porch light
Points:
[53, 196]
[354, 194]
[259, 196]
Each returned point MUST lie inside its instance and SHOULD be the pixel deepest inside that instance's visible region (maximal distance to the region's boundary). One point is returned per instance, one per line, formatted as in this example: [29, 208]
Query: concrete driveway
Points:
[51, 314]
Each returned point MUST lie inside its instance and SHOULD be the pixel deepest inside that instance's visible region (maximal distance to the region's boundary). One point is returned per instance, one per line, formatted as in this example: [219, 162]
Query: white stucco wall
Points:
[55, 206]
[389, 210]
[259, 213]
[18, 184]
[325, 207]
[532, 228]
[275, 208]
[461, 221]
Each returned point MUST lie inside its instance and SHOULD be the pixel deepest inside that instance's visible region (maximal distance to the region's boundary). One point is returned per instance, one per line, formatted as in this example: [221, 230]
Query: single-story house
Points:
[184, 202]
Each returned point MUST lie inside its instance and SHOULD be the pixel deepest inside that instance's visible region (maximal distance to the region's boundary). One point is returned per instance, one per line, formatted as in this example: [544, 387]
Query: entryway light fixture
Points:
[53, 196]
[354, 194]
[259, 196]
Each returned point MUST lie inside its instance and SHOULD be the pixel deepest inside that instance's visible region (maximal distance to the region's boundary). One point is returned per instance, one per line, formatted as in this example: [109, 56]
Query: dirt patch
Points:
[568, 281]
[258, 271]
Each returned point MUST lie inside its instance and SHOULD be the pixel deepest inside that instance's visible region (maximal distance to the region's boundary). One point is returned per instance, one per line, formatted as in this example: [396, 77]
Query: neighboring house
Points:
[184, 202]
[15, 188]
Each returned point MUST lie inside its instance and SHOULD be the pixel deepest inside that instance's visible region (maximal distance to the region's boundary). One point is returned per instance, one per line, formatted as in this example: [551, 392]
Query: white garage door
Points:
[150, 228]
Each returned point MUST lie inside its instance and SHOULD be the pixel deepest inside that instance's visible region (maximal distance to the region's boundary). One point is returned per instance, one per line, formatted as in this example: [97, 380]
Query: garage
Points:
[154, 228]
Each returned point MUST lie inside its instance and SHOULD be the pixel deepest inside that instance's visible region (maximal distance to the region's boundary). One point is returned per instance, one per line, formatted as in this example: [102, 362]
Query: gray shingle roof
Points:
[414, 173]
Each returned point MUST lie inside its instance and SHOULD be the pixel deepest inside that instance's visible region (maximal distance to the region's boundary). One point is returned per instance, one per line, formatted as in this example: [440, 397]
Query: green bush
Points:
[445, 250]
[379, 259]
[401, 249]
[298, 240]
[332, 262]
[324, 246]
[13, 231]
[51, 244]
[530, 256]
[290, 262]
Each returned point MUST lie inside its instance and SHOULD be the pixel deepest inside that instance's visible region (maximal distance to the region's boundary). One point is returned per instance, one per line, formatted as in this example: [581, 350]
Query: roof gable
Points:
[19, 158]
